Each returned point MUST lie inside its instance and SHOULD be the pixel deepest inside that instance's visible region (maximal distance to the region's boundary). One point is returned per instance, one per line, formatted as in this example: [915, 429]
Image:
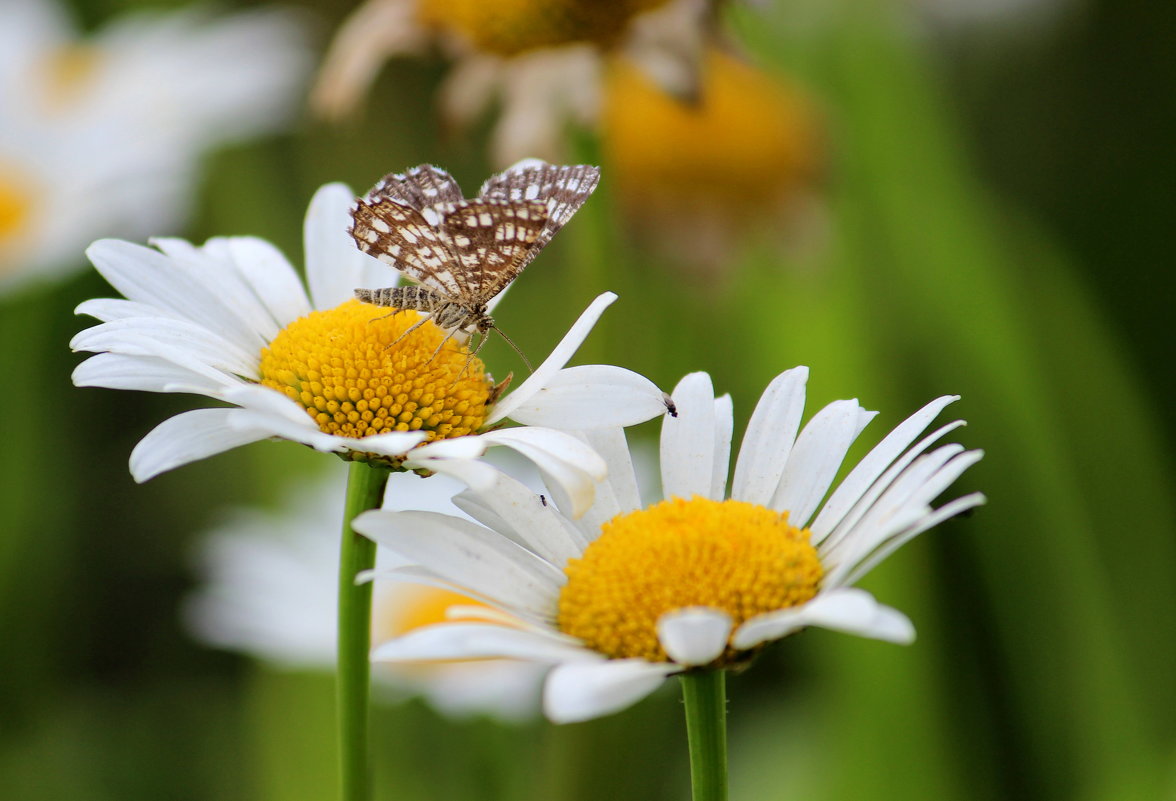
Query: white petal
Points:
[770, 435]
[815, 458]
[694, 636]
[142, 373]
[522, 516]
[335, 267]
[584, 690]
[150, 335]
[724, 424]
[560, 457]
[468, 555]
[189, 437]
[688, 449]
[617, 494]
[107, 309]
[848, 610]
[451, 641]
[592, 396]
[555, 362]
[271, 277]
[859, 480]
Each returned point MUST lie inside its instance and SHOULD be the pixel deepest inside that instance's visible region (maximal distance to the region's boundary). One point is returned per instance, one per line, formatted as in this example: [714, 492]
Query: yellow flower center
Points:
[509, 27]
[730, 555]
[342, 367]
[69, 70]
[16, 205]
[749, 138]
[413, 607]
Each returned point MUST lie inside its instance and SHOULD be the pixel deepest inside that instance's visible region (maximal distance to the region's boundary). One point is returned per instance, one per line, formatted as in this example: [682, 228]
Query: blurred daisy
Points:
[627, 595]
[697, 177]
[230, 320]
[269, 590]
[540, 60]
[101, 135]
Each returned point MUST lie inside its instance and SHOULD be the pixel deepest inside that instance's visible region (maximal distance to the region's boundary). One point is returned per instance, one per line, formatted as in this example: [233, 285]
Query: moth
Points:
[463, 252]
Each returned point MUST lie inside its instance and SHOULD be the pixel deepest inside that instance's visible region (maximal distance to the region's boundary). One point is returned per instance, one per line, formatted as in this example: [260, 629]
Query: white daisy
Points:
[269, 589]
[231, 320]
[100, 135]
[625, 596]
[539, 61]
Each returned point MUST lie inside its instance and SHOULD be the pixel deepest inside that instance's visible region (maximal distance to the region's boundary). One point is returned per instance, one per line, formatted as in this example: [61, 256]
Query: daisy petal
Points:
[560, 457]
[149, 335]
[584, 690]
[724, 424]
[468, 555]
[143, 373]
[555, 362]
[271, 277]
[189, 437]
[592, 396]
[451, 641]
[688, 440]
[694, 636]
[874, 464]
[335, 267]
[815, 458]
[770, 435]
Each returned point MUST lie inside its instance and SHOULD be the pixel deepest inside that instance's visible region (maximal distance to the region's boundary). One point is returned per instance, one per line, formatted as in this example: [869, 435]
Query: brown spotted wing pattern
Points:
[465, 251]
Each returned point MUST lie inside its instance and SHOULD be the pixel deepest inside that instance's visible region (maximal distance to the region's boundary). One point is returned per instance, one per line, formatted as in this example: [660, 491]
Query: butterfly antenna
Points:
[510, 342]
[470, 358]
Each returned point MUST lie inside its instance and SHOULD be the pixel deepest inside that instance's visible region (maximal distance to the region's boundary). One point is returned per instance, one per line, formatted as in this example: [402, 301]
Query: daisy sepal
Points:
[476, 558]
[590, 688]
[695, 635]
[762, 458]
[847, 609]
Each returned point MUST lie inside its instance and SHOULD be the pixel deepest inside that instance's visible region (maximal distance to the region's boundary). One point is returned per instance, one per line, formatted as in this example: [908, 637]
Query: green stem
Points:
[365, 490]
[704, 694]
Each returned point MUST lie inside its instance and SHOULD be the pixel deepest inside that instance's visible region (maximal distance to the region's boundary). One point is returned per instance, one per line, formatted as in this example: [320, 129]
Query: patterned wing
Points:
[420, 188]
[401, 237]
[562, 189]
[491, 238]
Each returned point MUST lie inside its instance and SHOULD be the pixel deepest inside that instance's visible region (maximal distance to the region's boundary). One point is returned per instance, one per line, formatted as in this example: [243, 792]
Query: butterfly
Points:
[463, 252]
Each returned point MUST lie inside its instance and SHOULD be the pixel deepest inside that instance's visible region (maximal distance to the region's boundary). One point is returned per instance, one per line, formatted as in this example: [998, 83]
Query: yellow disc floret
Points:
[509, 27]
[341, 366]
[16, 203]
[730, 555]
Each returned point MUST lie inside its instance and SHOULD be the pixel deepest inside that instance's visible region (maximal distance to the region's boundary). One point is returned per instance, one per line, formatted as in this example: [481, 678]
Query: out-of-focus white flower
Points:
[540, 61]
[626, 595]
[270, 590]
[101, 135]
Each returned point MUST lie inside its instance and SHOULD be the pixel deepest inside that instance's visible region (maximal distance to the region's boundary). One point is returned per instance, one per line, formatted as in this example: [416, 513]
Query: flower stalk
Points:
[704, 694]
[365, 490]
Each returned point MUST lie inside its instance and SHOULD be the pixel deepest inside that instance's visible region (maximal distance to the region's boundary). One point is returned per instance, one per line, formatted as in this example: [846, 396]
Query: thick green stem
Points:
[704, 694]
[365, 490]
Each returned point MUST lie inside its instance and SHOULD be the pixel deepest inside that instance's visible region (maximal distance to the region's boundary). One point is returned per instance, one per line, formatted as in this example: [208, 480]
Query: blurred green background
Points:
[992, 219]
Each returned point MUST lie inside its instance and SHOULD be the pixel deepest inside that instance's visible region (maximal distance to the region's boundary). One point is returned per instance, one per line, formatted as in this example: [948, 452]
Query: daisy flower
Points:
[230, 320]
[626, 595]
[101, 134]
[269, 590]
[697, 178]
[539, 61]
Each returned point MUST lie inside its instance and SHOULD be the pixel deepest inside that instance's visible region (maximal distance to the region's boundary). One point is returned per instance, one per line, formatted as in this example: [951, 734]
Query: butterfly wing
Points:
[420, 188]
[563, 189]
[491, 239]
[401, 237]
